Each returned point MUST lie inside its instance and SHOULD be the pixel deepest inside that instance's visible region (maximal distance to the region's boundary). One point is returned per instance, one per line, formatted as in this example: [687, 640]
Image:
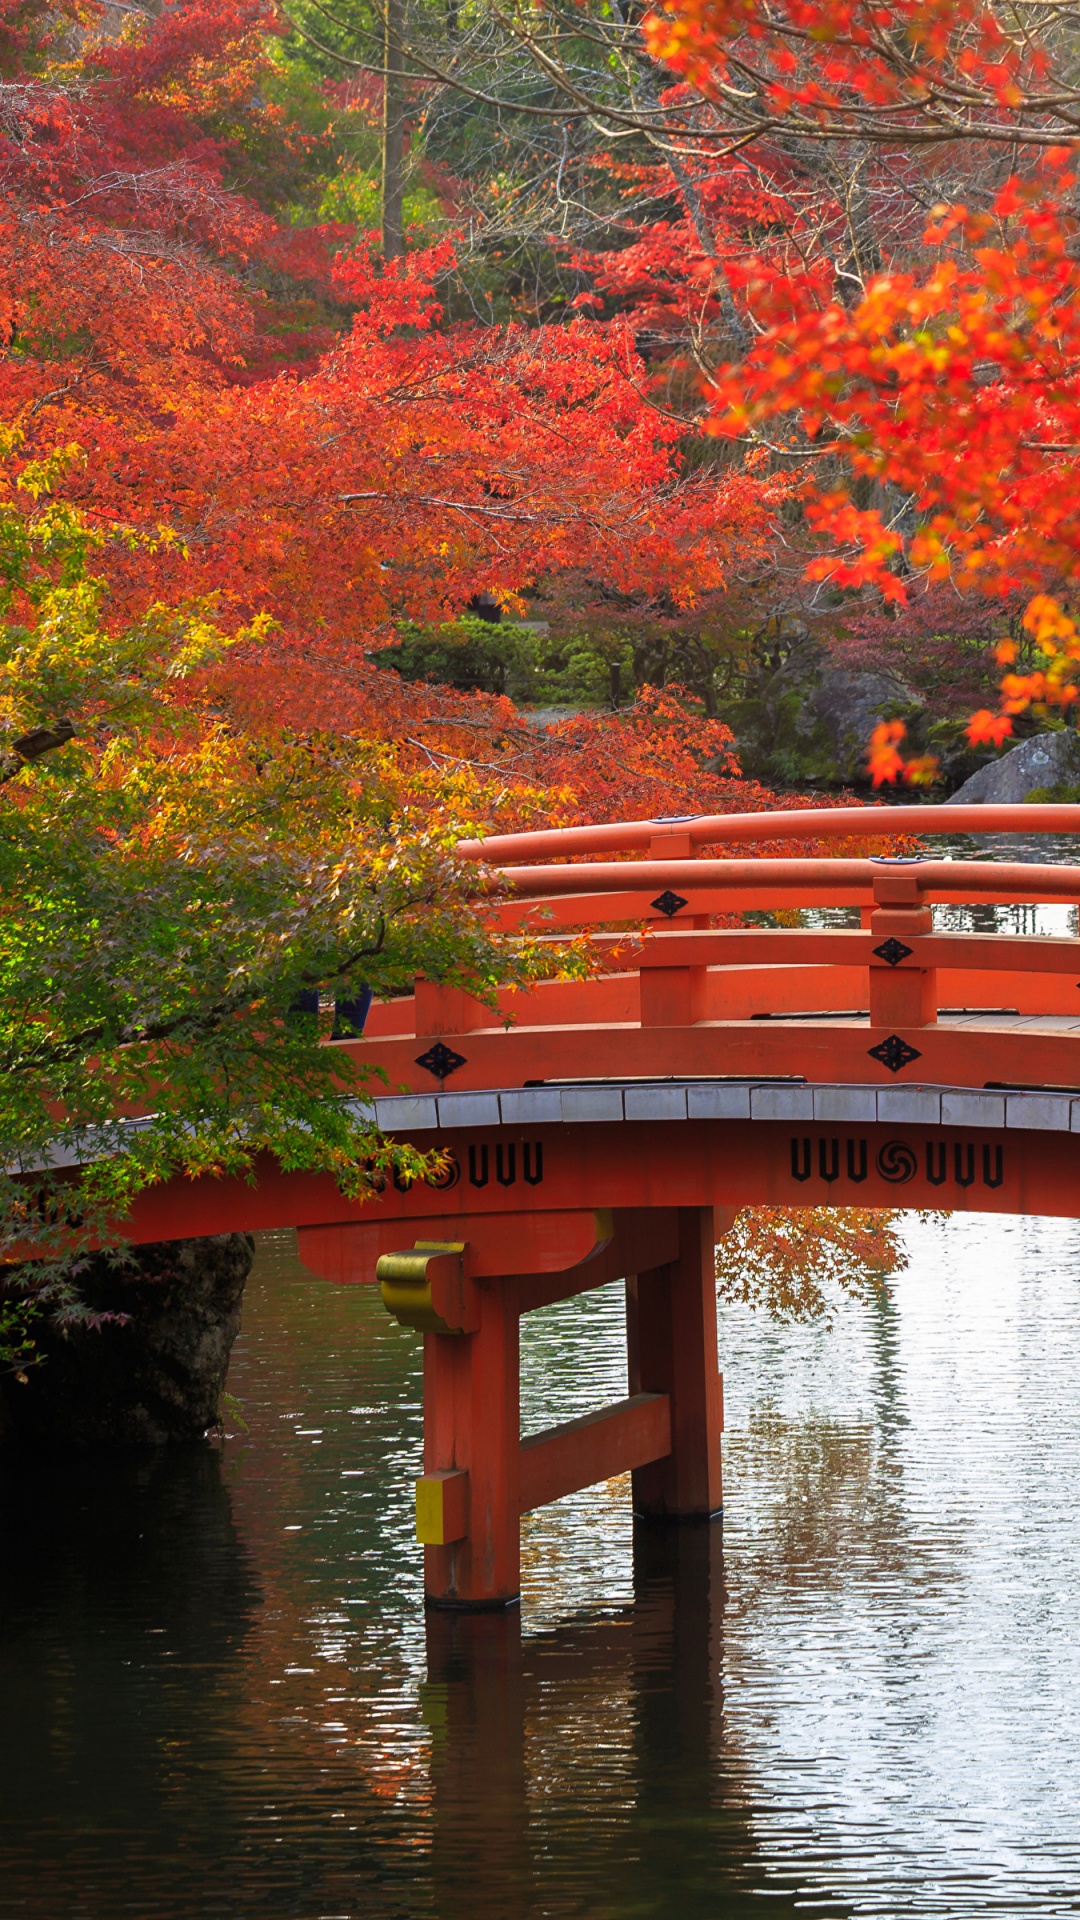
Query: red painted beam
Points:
[538, 1242]
[948, 1054]
[809, 823]
[631, 905]
[642, 1237]
[720, 947]
[551, 1255]
[644, 1164]
[630, 1434]
[769, 877]
[949, 880]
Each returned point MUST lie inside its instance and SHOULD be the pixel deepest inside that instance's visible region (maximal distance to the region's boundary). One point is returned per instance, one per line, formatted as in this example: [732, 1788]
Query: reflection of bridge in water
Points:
[699, 1068]
[655, 1669]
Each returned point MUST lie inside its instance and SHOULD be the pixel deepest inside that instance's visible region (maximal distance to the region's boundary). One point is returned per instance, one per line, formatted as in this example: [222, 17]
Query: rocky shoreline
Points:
[151, 1372]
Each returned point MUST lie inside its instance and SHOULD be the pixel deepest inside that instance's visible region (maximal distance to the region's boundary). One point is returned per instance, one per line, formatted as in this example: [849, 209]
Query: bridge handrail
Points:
[929, 880]
[809, 823]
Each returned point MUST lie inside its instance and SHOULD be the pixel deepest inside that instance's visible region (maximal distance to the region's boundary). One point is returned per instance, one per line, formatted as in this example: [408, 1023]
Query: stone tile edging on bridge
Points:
[841, 1103]
[704, 1100]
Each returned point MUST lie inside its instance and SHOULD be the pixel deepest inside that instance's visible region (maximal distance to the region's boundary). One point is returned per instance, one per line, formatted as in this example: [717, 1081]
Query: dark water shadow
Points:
[125, 1594]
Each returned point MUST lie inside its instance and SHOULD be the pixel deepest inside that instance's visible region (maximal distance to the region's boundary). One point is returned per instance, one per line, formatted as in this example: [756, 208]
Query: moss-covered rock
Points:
[1048, 763]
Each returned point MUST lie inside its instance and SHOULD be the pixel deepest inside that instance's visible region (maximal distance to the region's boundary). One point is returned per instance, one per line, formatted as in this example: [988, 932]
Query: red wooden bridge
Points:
[618, 1123]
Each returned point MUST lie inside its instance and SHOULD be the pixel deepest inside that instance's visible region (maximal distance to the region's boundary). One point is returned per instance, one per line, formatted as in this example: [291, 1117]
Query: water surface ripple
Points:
[221, 1700]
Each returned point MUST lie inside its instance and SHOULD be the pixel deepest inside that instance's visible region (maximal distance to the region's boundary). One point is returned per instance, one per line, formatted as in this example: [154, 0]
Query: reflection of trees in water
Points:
[574, 1551]
[148, 1763]
[887, 1386]
[125, 1595]
[1020, 917]
[827, 1500]
[816, 1492]
[823, 1495]
[330, 1386]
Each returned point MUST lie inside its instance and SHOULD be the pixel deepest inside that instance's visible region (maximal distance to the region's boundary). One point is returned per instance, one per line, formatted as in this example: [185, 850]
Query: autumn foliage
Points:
[910, 72]
[395, 468]
[958, 389]
[863, 265]
[957, 386]
[797, 1263]
[933, 381]
[242, 451]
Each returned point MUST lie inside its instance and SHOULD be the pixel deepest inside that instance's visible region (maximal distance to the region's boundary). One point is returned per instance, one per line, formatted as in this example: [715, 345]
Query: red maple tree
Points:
[946, 383]
[398, 468]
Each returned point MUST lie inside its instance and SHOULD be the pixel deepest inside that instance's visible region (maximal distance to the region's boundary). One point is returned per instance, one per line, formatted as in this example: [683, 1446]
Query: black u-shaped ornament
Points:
[964, 1178]
[995, 1179]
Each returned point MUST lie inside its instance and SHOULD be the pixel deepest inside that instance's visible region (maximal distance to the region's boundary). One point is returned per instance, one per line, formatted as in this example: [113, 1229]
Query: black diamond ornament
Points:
[441, 1060]
[893, 951]
[668, 903]
[894, 1053]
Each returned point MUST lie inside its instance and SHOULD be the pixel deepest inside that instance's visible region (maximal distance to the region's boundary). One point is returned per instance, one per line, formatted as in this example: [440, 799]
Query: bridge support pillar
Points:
[671, 1340]
[479, 1475]
[471, 1429]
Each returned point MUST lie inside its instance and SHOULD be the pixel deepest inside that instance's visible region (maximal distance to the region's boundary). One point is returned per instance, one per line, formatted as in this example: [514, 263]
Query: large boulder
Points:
[812, 722]
[848, 706]
[151, 1377]
[1040, 765]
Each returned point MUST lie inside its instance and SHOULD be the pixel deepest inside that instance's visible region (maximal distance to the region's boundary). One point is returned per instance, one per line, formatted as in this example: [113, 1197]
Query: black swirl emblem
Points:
[449, 1176]
[896, 1162]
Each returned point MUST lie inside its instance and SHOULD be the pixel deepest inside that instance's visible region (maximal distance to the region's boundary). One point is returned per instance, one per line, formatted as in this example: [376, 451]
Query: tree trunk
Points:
[393, 156]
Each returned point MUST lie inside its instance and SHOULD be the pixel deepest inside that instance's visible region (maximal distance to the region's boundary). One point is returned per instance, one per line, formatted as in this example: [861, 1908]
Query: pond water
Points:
[220, 1698]
[219, 1695]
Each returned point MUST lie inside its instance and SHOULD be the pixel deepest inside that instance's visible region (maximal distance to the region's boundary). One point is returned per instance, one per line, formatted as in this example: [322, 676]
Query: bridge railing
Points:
[661, 890]
[683, 833]
[689, 970]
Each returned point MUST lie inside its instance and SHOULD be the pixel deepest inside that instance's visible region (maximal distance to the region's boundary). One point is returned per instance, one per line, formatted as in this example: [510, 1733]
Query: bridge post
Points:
[471, 1429]
[900, 996]
[671, 1342]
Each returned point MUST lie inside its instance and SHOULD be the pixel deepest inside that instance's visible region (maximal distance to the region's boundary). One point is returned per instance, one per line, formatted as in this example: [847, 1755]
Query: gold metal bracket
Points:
[427, 1287]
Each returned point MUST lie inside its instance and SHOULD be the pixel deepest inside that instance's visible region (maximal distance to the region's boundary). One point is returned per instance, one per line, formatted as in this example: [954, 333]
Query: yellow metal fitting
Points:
[442, 1507]
[425, 1287]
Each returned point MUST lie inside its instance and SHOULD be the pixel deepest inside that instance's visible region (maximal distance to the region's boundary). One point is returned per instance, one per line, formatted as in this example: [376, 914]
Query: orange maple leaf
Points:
[988, 729]
[885, 762]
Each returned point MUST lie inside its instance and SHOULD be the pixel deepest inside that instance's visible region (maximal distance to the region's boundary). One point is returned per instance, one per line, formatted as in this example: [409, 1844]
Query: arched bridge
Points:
[595, 1126]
